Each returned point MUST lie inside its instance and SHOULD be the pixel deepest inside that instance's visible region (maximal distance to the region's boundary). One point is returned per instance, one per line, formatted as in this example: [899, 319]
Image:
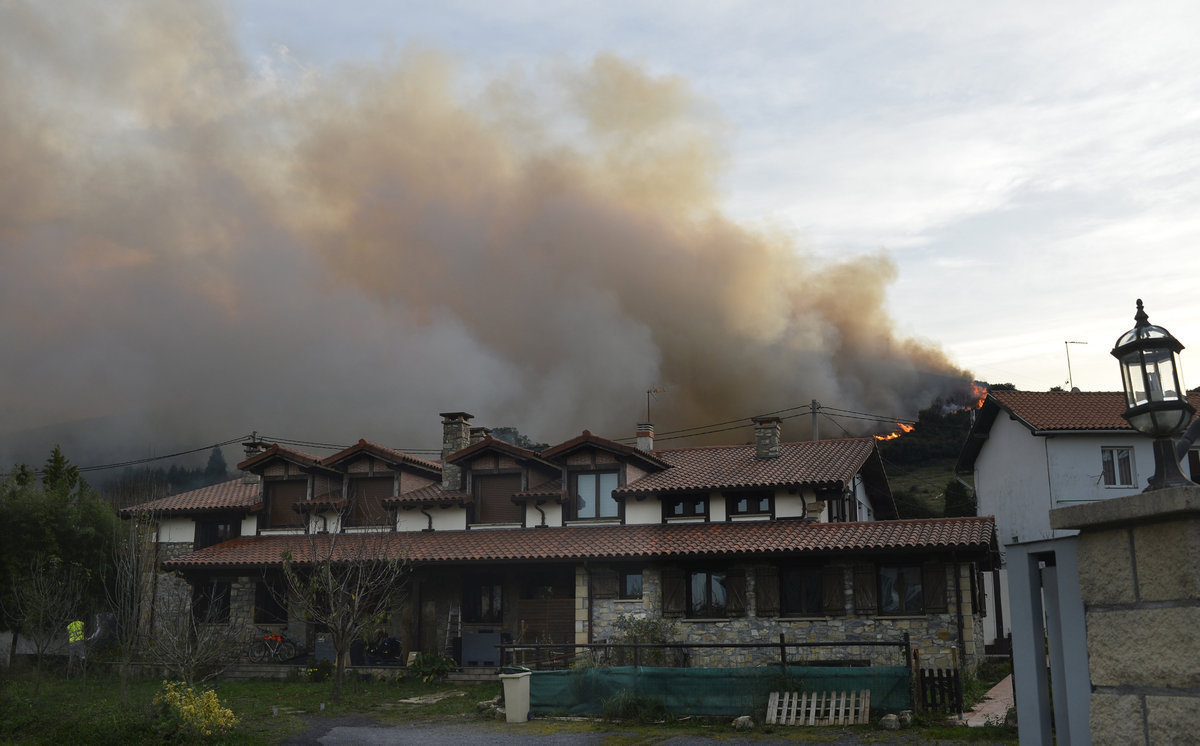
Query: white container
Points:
[516, 696]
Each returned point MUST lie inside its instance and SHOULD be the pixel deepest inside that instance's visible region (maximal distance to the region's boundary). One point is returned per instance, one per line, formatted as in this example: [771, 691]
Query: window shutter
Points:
[735, 589]
[833, 600]
[604, 583]
[766, 591]
[674, 599]
[933, 582]
[865, 594]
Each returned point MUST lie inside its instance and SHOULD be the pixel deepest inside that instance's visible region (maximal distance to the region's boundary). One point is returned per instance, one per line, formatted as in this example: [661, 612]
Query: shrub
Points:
[318, 670]
[647, 630]
[194, 715]
[431, 667]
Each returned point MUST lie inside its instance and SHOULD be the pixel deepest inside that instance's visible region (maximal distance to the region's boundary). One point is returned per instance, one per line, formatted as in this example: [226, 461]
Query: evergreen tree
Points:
[216, 471]
[959, 500]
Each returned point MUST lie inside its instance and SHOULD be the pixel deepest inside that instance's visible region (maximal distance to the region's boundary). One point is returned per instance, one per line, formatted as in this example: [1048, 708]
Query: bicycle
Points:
[272, 647]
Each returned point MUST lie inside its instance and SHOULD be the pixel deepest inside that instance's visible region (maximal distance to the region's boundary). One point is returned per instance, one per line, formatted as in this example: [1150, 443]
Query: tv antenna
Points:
[1070, 378]
[652, 393]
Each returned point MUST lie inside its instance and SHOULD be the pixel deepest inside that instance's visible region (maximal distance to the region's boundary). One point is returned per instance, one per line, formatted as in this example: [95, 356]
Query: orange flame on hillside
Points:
[892, 436]
[979, 392]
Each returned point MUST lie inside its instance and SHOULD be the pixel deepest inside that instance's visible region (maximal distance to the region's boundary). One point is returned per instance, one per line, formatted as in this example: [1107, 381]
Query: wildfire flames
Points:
[892, 436]
[980, 393]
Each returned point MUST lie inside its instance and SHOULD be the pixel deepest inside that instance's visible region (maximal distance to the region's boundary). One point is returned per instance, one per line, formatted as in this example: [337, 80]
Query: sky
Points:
[333, 221]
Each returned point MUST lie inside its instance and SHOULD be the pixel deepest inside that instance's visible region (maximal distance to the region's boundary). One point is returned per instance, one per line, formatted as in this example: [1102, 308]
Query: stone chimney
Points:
[479, 433]
[252, 448]
[456, 435]
[645, 436]
[766, 437]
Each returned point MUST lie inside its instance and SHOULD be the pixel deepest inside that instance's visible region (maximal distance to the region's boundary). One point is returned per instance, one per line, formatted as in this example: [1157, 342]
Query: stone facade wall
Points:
[1139, 576]
[932, 636]
[166, 591]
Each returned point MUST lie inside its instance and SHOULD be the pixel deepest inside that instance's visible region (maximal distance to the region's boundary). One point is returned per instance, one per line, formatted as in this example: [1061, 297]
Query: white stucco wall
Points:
[789, 506]
[176, 530]
[552, 511]
[643, 511]
[250, 525]
[1021, 477]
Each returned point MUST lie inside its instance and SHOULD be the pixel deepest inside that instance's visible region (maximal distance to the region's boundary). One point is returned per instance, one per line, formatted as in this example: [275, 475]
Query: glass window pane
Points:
[1125, 466]
[631, 585]
[717, 604]
[889, 590]
[585, 500]
[699, 594]
[608, 506]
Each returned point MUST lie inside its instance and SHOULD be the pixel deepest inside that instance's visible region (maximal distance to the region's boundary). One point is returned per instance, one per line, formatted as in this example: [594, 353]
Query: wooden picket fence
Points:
[819, 708]
[941, 689]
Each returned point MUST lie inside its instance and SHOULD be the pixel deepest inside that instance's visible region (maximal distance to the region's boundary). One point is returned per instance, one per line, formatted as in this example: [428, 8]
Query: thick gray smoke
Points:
[217, 245]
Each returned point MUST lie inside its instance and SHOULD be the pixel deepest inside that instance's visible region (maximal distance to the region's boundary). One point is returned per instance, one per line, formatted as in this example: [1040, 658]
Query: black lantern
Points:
[1156, 400]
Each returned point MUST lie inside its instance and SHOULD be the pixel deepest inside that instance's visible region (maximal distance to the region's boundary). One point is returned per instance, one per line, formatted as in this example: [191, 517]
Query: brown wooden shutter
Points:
[674, 597]
[735, 592]
[766, 591]
[604, 583]
[281, 496]
[833, 596]
[493, 498]
[865, 591]
[933, 586]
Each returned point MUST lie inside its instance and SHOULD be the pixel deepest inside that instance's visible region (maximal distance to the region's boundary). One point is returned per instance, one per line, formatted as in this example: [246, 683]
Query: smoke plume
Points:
[220, 244]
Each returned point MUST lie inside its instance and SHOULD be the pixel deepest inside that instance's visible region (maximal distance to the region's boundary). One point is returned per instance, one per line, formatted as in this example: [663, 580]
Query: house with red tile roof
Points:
[1030, 452]
[737, 543]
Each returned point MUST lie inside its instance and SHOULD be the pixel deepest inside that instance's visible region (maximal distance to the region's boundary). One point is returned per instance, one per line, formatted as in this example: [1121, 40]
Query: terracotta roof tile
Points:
[389, 455]
[552, 490]
[1074, 410]
[230, 495]
[660, 541]
[283, 452]
[737, 467]
[430, 495]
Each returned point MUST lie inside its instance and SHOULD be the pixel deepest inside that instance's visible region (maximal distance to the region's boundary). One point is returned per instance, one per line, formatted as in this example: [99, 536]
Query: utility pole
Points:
[816, 433]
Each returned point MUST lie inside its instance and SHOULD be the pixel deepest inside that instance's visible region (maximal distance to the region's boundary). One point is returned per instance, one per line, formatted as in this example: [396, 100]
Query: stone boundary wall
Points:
[1139, 576]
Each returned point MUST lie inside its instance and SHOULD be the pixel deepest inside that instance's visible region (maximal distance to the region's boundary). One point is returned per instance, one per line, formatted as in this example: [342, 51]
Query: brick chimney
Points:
[645, 436]
[479, 433]
[766, 437]
[456, 435]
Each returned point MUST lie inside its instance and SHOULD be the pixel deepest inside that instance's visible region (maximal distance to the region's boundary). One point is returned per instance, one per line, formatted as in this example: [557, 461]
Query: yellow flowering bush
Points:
[199, 714]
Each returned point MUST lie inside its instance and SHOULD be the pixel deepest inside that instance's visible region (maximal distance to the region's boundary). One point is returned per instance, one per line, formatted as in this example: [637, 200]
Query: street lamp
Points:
[1157, 402]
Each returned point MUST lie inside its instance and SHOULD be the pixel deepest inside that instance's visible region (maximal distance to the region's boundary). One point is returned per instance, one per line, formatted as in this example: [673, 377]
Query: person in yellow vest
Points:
[75, 643]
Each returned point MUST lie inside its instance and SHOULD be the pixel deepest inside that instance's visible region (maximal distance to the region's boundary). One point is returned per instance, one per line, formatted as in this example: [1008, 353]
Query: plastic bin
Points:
[516, 693]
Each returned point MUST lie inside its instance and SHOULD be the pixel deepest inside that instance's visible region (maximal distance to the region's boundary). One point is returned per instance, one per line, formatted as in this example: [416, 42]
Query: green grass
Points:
[925, 483]
[59, 713]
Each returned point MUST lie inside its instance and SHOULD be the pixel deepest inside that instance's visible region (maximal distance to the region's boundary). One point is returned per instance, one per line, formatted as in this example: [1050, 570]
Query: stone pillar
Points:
[1139, 577]
[645, 436]
[242, 594]
[582, 620]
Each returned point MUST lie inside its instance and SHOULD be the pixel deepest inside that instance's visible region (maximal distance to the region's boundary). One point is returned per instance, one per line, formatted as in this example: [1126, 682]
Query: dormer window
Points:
[591, 495]
[759, 503]
[687, 506]
[216, 530]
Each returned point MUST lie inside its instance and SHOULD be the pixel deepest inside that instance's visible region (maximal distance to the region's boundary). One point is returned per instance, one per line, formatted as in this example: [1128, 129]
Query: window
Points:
[210, 602]
[750, 503]
[704, 593]
[1117, 464]
[493, 498]
[482, 599]
[800, 591]
[900, 590]
[690, 506]
[216, 531]
[593, 495]
[630, 584]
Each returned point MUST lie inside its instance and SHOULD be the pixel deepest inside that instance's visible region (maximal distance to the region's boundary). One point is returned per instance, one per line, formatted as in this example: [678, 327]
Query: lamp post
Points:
[1156, 400]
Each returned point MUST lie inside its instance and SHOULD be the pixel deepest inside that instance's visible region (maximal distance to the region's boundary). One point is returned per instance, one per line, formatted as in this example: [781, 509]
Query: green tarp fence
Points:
[710, 691]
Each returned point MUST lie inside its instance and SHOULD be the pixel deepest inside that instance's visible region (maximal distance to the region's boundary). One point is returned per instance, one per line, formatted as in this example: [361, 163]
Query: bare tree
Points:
[345, 583]
[132, 568]
[194, 638]
[46, 598]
